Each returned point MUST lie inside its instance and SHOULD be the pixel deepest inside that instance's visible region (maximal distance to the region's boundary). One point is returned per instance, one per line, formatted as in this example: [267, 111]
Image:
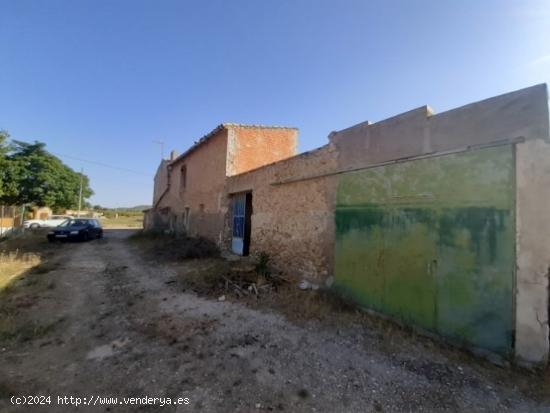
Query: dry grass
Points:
[30, 241]
[23, 252]
[133, 221]
[13, 264]
[260, 288]
[322, 304]
[204, 276]
[25, 261]
[170, 248]
[13, 328]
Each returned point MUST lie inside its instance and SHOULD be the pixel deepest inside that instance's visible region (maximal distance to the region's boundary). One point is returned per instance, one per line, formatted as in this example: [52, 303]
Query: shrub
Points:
[262, 266]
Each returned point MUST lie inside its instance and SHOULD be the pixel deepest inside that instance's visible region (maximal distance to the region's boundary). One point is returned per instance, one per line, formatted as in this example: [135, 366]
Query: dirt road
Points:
[118, 326]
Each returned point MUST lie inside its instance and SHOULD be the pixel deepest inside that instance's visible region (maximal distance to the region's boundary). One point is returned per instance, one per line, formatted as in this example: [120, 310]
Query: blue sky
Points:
[102, 79]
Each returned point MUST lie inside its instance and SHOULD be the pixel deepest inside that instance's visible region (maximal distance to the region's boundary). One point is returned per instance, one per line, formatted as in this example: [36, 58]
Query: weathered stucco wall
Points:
[251, 147]
[202, 195]
[533, 250]
[420, 132]
[160, 180]
[155, 218]
[198, 207]
[292, 221]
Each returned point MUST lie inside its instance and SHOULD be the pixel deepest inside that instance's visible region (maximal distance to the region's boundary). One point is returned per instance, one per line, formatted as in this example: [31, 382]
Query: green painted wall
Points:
[432, 242]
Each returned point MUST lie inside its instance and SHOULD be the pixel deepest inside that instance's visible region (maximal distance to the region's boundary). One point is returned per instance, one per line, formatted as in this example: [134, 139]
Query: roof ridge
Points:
[221, 126]
[255, 125]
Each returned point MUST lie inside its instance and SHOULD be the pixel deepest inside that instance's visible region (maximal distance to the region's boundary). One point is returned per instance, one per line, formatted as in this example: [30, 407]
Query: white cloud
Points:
[541, 60]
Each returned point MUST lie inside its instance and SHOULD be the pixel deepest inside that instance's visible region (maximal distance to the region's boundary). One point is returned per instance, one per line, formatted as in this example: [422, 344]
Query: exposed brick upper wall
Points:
[252, 147]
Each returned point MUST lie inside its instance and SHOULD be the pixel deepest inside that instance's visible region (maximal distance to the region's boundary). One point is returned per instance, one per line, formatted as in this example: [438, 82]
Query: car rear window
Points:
[72, 222]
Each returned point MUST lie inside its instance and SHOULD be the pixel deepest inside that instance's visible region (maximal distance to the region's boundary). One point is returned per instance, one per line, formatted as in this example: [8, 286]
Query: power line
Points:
[101, 164]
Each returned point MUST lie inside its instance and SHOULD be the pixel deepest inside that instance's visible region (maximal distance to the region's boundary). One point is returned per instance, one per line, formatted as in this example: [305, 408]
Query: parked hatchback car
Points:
[77, 229]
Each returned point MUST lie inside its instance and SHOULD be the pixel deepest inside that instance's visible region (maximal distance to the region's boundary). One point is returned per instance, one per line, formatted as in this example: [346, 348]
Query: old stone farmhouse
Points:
[437, 220]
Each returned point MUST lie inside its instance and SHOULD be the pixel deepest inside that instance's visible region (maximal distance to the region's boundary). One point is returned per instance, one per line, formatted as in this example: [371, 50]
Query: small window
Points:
[201, 207]
[183, 178]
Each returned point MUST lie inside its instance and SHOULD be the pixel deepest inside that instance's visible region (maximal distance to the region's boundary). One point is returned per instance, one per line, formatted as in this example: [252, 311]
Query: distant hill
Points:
[137, 208]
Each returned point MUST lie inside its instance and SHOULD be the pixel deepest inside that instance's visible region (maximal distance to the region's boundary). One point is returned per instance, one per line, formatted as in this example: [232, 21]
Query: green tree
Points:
[8, 170]
[4, 143]
[4, 136]
[36, 177]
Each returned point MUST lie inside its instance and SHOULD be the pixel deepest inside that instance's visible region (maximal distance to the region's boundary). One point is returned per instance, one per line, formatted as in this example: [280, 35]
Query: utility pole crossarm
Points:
[161, 143]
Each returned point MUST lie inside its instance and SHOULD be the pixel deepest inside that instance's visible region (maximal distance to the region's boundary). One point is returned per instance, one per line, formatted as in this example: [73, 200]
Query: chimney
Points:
[173, 155]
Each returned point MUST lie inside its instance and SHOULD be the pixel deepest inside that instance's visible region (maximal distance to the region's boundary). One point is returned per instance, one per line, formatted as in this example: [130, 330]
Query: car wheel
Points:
[34, 226]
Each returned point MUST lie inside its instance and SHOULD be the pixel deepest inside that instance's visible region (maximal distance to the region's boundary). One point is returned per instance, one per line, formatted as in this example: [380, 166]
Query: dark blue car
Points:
[77, 229]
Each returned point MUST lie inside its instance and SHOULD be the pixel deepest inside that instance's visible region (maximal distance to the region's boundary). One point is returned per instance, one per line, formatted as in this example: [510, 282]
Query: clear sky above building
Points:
[101, 80]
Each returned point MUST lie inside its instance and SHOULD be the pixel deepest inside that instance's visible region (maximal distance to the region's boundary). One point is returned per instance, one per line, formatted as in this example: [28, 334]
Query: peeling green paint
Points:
[431, 242]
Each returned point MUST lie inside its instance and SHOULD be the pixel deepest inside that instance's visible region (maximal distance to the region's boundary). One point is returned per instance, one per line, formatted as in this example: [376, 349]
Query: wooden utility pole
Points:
[80, 193]
[22, 217]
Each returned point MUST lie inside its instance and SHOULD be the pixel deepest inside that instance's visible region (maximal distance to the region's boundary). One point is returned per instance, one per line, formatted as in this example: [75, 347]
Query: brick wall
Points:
[198, 206]
[252, 147]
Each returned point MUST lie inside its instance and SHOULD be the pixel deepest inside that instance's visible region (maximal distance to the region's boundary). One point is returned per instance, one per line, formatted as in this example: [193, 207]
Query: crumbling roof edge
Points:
[220, 127]
[256, 126]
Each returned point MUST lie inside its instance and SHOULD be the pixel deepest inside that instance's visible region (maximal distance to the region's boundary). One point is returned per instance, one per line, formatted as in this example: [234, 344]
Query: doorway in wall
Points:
[241, 223]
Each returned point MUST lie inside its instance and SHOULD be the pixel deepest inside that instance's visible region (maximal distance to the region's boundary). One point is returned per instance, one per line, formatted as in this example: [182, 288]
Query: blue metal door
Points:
[239, 212]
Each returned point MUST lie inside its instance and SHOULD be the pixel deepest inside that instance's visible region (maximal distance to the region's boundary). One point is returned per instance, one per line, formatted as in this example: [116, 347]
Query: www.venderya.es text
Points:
[95, 400]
